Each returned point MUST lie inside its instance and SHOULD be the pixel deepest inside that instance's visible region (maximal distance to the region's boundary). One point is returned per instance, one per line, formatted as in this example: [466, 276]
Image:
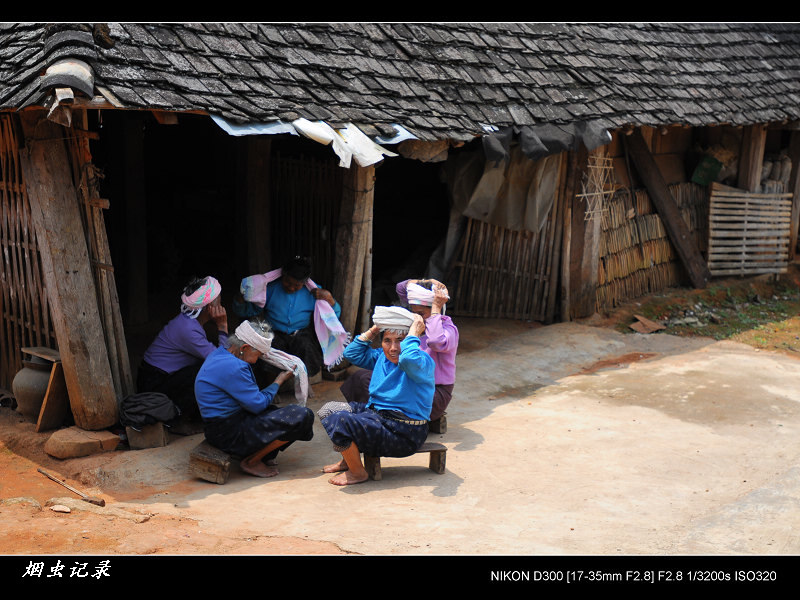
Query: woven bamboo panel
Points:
[748, 233]
[506, 274]
[636, 255]
[24, 312]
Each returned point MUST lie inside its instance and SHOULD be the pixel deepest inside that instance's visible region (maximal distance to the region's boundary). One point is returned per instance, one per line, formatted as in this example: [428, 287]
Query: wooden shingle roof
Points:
[437, 80]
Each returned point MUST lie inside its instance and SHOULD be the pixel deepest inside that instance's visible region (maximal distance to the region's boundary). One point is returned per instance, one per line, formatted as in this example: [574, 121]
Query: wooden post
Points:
[351, 241]
[583, 253]
[794, 189]
[67, 273]
[752, 157]
[668, 210]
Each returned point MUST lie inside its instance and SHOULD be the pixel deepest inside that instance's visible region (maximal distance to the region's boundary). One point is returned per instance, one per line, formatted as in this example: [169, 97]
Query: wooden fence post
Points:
[67, 273]
[352, 239]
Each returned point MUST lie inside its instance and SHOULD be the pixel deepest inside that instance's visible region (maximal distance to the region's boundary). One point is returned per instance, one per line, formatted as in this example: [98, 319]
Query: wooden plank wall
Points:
[749, 232]
[24, 312]
[636, 255]
[305, 197]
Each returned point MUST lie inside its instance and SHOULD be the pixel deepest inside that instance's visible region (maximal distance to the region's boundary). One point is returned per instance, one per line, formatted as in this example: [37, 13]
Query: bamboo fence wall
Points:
[501, 273]
[24, 312]
[636, 255]
[749, 233]
[305, 201]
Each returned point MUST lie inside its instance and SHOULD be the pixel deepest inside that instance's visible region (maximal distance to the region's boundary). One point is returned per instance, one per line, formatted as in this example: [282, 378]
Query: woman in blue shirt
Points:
[289, 309]
[394, 421]
[240, 418]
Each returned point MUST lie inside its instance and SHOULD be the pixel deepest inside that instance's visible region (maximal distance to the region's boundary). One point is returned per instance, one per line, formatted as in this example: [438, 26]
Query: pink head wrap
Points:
[419, 295]
[202, 296]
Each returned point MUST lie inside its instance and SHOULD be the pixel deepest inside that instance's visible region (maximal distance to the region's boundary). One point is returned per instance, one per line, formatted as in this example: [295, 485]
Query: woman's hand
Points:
[370, 334]
[417, 327]
[283, 377]
[320, 294]
[220, 316]
[440, 297]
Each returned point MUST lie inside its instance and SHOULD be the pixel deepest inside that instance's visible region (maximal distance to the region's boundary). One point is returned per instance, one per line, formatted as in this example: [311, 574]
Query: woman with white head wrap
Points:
[172, 360]
[394, 421]
[427, 298]
[239, 417]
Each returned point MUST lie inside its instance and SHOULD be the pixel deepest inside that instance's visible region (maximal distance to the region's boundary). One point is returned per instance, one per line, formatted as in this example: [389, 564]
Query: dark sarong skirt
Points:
[179, 386]
[373, 433]
[244, 433]
[302, 344]
[356, 389]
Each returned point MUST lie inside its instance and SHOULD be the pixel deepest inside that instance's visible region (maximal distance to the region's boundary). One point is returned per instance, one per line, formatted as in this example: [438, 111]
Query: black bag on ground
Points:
[146, 408]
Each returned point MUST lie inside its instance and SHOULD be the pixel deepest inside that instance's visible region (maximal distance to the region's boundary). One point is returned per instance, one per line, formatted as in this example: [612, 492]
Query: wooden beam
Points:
[67, 273]
[352, 238]
[668, 210]
[751, 158]
[794, 189]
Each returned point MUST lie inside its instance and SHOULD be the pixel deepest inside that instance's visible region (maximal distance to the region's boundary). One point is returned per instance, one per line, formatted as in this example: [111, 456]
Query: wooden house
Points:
[544, 171]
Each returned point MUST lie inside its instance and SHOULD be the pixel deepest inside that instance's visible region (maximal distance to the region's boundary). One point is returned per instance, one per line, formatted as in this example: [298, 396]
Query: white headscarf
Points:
[392, 318]
[251, 337]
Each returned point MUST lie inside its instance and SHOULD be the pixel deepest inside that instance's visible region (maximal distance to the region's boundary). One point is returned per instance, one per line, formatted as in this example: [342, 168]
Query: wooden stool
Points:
[439, 425]
[209, 463]
[436, 462]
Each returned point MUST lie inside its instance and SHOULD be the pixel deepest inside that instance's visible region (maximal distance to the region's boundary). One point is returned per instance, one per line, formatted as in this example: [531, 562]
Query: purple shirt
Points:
[440, 341]
[182, 342]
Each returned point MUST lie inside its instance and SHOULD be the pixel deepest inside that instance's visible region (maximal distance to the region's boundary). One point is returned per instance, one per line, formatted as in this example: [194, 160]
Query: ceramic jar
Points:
[30, 386]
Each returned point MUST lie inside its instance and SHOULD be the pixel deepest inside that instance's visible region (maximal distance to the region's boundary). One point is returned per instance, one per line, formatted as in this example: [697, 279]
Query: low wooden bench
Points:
[436, 462]
[210, 463]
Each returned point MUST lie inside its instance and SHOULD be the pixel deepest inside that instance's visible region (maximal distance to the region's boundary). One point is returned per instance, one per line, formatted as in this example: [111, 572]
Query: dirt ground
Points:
[588, 396]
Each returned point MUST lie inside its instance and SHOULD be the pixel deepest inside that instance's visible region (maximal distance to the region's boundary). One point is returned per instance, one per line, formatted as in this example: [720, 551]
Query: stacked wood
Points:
[749, 232]
[24, 312]
[636, 256]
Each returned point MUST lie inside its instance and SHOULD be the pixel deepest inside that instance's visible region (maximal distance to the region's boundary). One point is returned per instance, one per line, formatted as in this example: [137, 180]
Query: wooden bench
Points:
[439, 425]
[436, 462]
[210, 463]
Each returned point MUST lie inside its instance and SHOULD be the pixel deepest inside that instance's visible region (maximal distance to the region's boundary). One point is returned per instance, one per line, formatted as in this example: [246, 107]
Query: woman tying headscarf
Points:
[394, 420]
[439, 339]
[170, 364]
[239, 417]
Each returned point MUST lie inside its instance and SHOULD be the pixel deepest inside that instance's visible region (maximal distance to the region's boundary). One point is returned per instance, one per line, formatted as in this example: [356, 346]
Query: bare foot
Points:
[348, 478]
[259, 469]
[336, 467]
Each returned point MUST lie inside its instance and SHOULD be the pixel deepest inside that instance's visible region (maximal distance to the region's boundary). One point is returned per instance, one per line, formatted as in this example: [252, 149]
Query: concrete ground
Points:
[563, 440]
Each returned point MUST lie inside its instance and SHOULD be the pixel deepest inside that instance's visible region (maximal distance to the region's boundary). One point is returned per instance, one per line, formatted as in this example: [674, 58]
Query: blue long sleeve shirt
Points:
[284, 312]
[407, 386]
[225, 385]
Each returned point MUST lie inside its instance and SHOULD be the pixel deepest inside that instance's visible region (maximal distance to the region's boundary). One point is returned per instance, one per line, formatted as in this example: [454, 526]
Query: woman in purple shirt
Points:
[170, 364]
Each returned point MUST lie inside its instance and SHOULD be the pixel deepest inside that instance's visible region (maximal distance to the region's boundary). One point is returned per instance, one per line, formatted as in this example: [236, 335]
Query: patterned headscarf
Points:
[193, 304]
[419, 295]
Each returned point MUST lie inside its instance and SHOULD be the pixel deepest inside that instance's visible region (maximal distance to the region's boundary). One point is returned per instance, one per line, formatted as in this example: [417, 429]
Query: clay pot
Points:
[30, 385]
